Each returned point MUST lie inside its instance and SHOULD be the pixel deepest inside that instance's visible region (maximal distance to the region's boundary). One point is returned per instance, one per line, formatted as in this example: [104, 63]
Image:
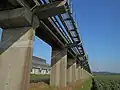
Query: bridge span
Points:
[53, 21]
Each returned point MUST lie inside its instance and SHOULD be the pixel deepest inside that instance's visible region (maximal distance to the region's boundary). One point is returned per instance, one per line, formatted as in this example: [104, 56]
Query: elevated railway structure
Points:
[52, 21]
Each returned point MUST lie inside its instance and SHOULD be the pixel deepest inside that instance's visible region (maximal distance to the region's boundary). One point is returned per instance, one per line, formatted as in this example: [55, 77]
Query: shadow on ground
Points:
[94, 86]
[44, 80]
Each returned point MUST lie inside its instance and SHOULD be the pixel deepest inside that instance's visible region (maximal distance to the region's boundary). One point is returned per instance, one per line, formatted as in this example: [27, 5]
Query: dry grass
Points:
[43, 86]
[39, 86]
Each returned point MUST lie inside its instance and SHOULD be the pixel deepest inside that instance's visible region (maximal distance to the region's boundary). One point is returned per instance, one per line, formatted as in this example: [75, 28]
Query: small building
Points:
[39, 66]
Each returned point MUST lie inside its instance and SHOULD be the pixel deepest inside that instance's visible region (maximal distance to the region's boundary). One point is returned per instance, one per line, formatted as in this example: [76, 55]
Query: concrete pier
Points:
[15, 60]
[78, 72]
[16, 48]
[84, 74]
[81, 73]
[74, 72]
[58, 68]
[71, 71]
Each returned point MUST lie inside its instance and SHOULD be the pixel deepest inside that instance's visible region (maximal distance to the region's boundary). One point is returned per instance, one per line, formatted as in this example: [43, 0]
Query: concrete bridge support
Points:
[16, 48]
[71, 71]
[87, 74]
[58, 68]
[78, 72]
[81, 73]
[84, 74]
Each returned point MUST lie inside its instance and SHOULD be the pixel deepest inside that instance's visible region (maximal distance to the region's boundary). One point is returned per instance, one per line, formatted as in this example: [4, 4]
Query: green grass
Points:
[33, 76]
[107, 81]
[108, 77]
[87, 85]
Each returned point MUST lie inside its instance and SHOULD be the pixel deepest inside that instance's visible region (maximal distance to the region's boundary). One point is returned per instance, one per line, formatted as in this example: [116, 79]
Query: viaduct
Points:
[52, 21]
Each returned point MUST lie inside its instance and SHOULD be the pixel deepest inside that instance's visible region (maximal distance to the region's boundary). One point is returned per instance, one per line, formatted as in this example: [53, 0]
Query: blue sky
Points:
[99, 23]
[42, 49]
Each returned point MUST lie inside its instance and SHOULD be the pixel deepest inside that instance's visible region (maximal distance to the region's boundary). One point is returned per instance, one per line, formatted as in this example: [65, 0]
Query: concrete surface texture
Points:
[59, 68]
[15, 62]
[78, 72]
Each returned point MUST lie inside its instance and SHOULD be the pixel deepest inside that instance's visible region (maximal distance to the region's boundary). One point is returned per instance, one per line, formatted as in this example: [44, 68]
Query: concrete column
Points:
[58, 68]
[81, 73]
[16, 48]
[84, 74]
[74, 72]
[71, 71]
[87, 74]
[69, 74]
[78, 72]
[15, 59]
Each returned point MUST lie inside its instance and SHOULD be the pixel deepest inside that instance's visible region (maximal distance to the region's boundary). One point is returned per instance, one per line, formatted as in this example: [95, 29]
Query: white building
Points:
[39, 66]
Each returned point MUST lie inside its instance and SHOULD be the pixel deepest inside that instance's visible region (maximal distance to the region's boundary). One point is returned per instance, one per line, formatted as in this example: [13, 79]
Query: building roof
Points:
[36, 61]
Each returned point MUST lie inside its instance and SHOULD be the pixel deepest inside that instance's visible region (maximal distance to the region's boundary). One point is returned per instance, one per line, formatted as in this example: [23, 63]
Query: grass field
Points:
[107, 81]
[107, 77]
[79, 85]
[87, 85]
